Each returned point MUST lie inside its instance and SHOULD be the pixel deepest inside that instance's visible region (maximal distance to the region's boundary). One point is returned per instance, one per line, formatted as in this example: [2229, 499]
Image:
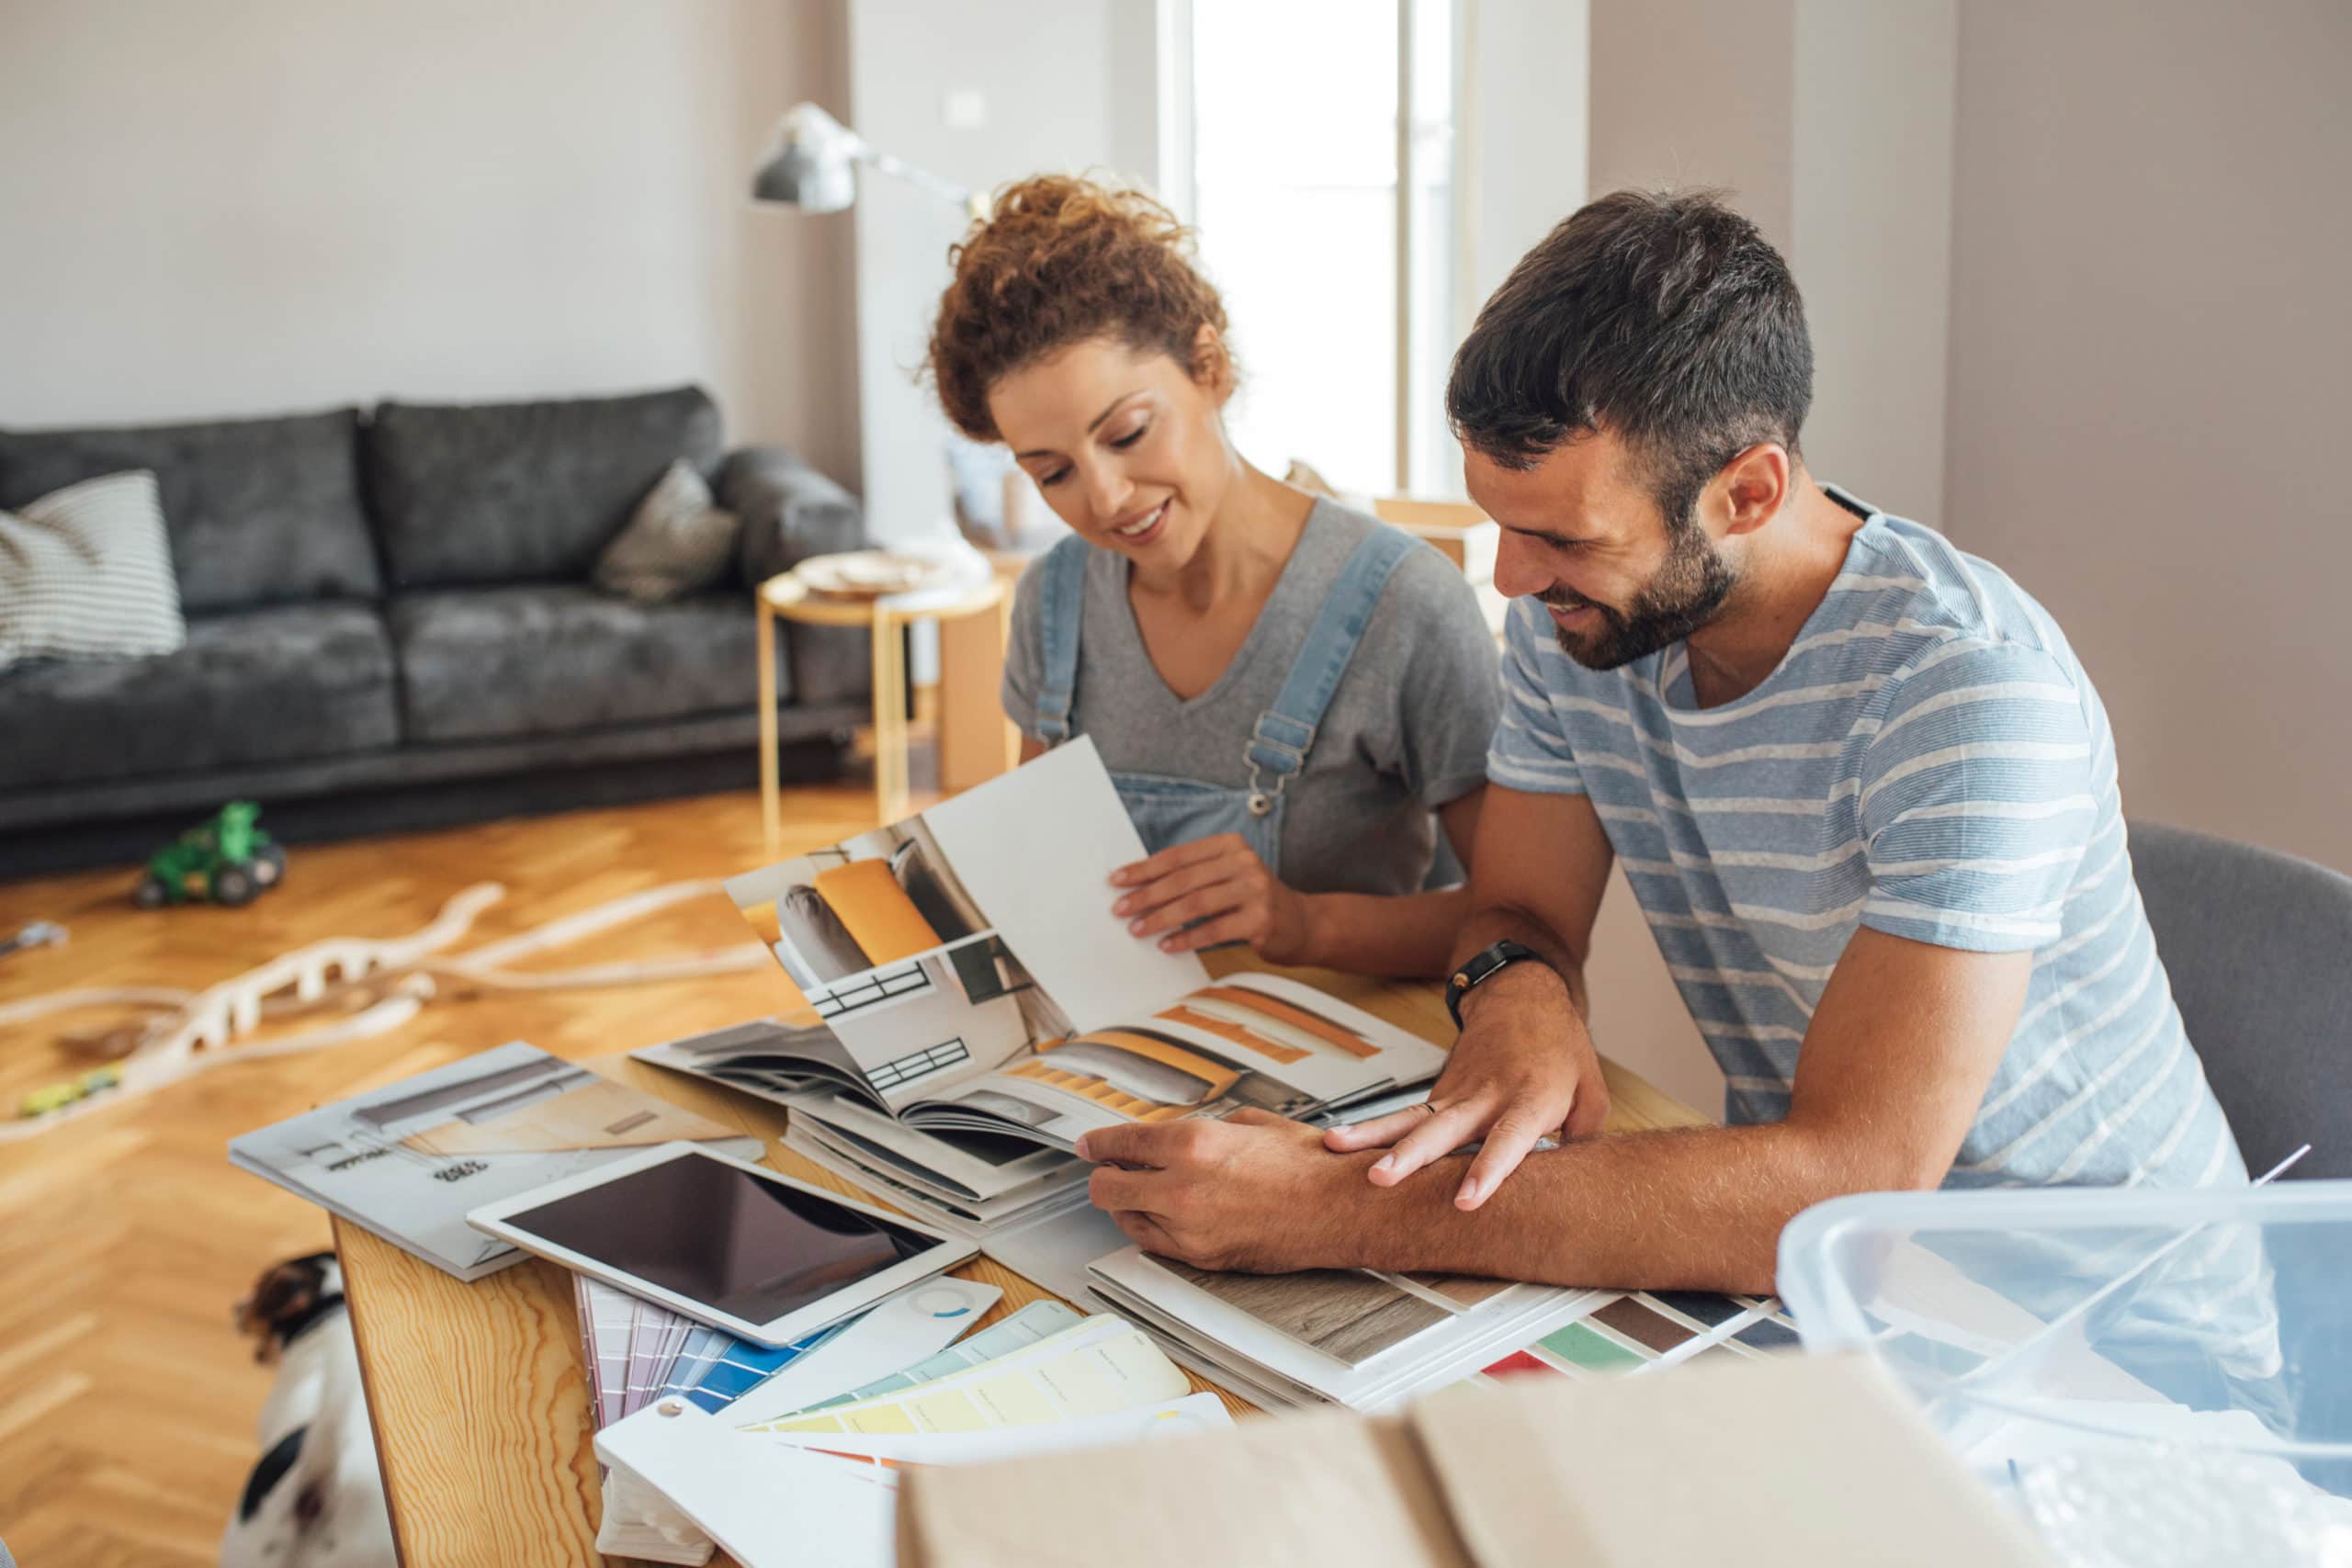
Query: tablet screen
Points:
[717, 1235]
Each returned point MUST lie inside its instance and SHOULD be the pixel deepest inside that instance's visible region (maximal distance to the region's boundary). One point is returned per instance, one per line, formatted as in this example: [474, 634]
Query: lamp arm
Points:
[946, 190]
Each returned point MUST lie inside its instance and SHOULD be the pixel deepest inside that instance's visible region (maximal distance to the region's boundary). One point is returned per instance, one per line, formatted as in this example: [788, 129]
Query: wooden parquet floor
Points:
[127, 1401]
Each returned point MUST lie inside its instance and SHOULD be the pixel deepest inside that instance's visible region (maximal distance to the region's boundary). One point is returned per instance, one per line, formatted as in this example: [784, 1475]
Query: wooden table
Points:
[976, 742]
[479, 1401]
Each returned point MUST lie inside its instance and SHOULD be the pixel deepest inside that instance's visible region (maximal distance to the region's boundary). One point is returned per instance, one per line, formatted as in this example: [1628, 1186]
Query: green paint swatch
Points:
[1581, 1346]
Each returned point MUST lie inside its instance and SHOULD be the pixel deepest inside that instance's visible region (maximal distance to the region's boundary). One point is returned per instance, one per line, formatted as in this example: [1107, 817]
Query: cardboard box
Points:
[1780, 1462]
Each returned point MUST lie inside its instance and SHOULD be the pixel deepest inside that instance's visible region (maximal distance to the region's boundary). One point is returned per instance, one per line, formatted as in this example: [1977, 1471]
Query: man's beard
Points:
[1681, 597]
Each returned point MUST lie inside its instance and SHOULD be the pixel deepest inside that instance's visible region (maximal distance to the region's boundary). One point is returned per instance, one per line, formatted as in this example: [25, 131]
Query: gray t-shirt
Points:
[1406, 731]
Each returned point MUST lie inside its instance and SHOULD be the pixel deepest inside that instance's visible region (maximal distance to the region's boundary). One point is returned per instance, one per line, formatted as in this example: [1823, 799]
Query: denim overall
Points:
[1169, 811]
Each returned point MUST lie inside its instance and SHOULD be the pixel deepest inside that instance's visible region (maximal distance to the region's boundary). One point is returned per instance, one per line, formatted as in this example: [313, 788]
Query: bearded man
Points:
[1861, 786]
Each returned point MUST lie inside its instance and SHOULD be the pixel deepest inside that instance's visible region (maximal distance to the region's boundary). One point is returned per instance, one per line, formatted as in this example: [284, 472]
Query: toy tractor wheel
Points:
[151, 893]
[233, 885]
[270, 865]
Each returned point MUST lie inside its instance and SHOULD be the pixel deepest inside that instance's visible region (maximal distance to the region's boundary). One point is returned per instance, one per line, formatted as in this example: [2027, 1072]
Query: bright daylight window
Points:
[1296, 149]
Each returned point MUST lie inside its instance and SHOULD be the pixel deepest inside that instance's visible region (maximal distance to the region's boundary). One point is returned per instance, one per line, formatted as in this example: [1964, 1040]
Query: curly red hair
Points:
[1062, 260]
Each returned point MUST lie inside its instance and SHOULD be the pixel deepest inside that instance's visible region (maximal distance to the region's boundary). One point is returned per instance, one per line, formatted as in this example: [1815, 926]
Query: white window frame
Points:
[1174, 179]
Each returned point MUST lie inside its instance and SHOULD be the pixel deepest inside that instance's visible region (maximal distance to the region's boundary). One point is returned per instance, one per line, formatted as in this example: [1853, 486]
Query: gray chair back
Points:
[2258, 946]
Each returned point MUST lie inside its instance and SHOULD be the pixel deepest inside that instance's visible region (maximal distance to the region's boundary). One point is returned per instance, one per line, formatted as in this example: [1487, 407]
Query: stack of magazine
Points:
[1371, 1341]
[408, 1160]
[980, 1007]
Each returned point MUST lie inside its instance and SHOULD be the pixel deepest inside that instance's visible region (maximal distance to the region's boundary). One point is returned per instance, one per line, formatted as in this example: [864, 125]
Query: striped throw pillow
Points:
[86, 572]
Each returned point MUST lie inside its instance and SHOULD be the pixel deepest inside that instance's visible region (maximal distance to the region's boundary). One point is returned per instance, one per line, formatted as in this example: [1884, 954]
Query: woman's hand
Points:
[1211, 891]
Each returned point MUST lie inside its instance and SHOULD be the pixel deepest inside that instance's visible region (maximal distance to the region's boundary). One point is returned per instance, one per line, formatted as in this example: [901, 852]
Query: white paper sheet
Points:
[1175, 1417]
[1036, 848]
[1054, 1251]
[769, 1504]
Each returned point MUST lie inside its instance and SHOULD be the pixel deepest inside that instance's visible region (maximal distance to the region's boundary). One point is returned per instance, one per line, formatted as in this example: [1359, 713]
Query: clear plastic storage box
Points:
[2158, 1379]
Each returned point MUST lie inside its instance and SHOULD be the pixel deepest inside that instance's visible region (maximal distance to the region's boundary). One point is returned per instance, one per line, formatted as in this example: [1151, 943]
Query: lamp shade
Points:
[813, 164]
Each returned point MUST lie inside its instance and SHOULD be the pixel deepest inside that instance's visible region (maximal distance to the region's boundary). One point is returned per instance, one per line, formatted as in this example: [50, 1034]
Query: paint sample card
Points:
[1636, 1331]
[897, 1334]
[742, 1366]
[1038, 1320]
[1635, 1319]
[1101, 1366]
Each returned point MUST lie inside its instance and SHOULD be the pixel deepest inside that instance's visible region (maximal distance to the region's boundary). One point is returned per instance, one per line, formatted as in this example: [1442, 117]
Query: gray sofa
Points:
[391, 625]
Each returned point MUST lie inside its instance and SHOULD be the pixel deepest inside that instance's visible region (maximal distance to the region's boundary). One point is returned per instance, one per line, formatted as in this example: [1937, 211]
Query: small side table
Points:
[976, 742]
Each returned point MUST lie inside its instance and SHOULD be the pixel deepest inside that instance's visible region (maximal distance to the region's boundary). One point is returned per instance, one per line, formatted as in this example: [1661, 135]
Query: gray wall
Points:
[2150, 345]
[1830, 123]
[249, 206]
[1070, 89]
[1528, 120]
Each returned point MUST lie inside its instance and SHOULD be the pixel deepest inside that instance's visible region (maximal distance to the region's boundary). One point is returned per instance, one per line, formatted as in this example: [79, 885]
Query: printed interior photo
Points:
[898, 959]
[865, 904]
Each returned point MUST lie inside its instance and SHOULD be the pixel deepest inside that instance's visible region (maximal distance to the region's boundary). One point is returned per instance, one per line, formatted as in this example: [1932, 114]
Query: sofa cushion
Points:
[86, 572]
[260, 511]
[515, 493]
[479, 663]
[275, 684]
[678, 541]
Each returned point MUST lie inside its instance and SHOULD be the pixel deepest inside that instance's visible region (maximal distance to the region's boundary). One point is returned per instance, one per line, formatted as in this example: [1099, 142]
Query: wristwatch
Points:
[1484, 965]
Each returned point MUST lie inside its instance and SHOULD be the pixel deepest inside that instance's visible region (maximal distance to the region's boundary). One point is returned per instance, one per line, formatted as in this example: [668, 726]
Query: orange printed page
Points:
[868, 900]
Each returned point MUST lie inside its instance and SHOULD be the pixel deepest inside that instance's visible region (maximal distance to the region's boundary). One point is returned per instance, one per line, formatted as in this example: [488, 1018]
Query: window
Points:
[1340, 278]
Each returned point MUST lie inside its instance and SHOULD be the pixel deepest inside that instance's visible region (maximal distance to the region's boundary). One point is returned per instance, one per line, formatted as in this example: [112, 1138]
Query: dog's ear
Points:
[285, 1293]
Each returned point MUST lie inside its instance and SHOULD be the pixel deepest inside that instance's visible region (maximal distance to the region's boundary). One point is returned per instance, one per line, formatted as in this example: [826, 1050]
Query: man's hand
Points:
[1523, 1067]
[1253, 1192]
[1210, 891]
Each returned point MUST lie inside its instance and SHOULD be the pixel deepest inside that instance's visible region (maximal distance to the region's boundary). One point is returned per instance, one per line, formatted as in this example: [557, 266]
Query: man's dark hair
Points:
[1662, 316]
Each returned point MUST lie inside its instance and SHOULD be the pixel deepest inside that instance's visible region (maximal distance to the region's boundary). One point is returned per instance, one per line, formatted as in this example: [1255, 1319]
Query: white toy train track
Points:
[380, 984]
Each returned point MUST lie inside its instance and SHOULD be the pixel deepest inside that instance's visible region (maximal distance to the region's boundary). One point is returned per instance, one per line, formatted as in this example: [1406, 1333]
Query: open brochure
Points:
[407, 1160]
[975, 987]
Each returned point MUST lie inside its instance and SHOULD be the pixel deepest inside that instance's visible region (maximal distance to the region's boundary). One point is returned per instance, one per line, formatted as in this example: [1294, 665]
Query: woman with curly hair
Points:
[1292, 698]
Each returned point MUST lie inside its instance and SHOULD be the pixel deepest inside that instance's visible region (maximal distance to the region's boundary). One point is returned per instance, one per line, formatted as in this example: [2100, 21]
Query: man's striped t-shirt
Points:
[1931, 760]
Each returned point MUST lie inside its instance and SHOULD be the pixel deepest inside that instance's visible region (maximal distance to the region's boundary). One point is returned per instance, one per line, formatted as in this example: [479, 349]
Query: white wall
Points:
[2148, 407]
[1067, 90]
[253, 205]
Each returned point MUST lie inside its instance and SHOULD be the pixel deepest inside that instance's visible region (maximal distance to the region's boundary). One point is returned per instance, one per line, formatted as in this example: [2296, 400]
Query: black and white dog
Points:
[316, 1499]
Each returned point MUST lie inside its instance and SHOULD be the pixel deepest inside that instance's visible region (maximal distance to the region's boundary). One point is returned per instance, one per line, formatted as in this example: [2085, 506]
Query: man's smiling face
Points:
[1583, 535]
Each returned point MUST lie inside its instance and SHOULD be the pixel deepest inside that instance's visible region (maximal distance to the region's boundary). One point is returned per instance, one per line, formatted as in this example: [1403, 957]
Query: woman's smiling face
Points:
[1126, 444]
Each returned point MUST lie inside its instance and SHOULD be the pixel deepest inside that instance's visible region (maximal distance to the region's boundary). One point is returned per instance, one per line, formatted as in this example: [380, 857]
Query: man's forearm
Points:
[1695, 1209]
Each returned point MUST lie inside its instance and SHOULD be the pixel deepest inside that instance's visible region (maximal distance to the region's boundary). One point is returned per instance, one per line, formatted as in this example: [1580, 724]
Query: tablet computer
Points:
[723, 1241]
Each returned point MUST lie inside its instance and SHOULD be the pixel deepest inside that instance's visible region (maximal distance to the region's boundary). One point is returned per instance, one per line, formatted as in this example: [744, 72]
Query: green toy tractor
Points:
[225, 858]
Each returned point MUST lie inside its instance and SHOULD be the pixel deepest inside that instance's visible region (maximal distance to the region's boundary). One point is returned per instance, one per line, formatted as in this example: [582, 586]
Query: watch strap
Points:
[1481, 966]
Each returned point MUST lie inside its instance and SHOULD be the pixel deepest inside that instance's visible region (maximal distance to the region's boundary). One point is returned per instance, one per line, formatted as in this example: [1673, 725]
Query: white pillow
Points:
[678, 543]
[86, 572]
